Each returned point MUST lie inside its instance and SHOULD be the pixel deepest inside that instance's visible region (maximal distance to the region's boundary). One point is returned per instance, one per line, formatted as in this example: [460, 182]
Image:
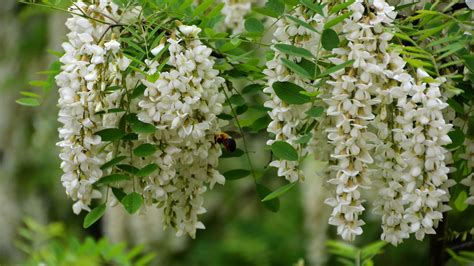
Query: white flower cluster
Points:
[287, 119]
[90, 52]
[183, 104]
[389, 128]
[421, 135]
[234, 12]
[355, 94]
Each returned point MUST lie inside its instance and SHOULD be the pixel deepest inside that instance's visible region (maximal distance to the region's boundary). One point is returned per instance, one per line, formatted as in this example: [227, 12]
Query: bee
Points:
[226, 140]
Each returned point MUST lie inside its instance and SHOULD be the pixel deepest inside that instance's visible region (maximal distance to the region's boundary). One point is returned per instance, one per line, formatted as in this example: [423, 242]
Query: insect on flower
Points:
[226, 140]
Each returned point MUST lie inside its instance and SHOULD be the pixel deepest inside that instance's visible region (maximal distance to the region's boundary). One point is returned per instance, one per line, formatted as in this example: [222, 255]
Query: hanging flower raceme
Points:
[425, 134]
[288, 119]
[352, 105]
[92, 62]
[183, 104]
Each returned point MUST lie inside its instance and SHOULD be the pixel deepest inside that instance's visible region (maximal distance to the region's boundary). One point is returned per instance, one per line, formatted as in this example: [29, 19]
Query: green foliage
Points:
[52, 245]
[284, 151]
[349, 255]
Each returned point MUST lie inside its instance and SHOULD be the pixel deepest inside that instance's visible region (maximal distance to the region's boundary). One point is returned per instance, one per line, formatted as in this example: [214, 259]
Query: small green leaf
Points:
[335, 68]
[237, 100]
[457, 138]
[30, 94]
[315, 111]
[111, 179]
[28, 101]
[296, 68]
[118, 193]
[143, 128]
[329, 39]
[94, 215]
[236, 174]
[339, 7]
[302, 23]
[132, 202]
[38, 83]
[147, 170]
[460, 202]
[110, 134]
[304, 139]
[236, 153]
[144, 150]
[280, 191]
[284, 151]
[337, 20]
[318, 8]
[128, 168]
[254, 25]
[138, 91]
[272, 205]
[293, 50]
[252, 88]
[290, 92]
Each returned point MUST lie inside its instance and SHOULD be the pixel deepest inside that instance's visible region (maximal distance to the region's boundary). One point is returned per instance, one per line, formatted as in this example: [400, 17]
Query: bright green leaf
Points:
[144, 150]
[110, 134]
[290, 92]
[147, 170]
[280, 191]
[236, 174]
[111, 179]
[293, 50]
[329, 39]
[94, 215]
[284, 151]
[132, 202]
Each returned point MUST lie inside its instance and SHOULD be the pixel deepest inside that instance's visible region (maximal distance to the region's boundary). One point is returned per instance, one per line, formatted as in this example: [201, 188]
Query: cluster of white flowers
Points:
[234, 12]
[183, 104]
[287, 119]
[352, 105]
[422, 135]
[388, 128]
[92, 61]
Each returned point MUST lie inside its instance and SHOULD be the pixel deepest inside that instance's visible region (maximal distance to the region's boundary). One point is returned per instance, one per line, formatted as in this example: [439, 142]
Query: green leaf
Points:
[118, 193]
[254, 25]
[38, 83]
[272, 205]
[280, 191]
[236, 153]
[302, 23]
[457, 138]
[30, 94]
[252, 88]
[290, 92]
[138, 91]
[460, 201]
[329, 39]
[315, 111]
[337, 20]
[113, 162]
[147, 170]
[296, 68]
[284, 151]
[144, 150]
[335, 68]
[143, 128]
[273, 8]
[128, 168]
[111, 179]
[469, 59]
[456, 106]
[237, 100]
[132, 202]
[94, 215]
[304, 139]
[318, 8]
[28, 101]
[340, 7]
[202, 7]
[293, 50]
[236, 174]
[110, 134]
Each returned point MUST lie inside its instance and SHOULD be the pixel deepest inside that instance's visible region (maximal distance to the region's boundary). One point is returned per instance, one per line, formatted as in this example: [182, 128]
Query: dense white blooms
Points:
[287, 119]
[423, 134]
[234, 12]
[183, 104]
[86, 71]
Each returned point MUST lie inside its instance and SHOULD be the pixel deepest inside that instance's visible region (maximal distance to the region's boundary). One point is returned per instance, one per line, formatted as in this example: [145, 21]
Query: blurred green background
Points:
[36, 219]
